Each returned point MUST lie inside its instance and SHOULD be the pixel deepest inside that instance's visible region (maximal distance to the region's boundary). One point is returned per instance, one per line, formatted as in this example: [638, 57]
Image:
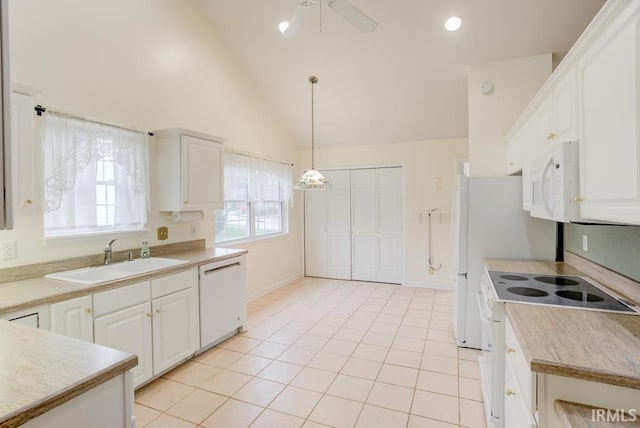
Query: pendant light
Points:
[312, 179]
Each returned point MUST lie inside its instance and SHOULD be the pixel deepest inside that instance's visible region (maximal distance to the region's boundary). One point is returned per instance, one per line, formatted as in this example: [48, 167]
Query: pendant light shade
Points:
[312, 179]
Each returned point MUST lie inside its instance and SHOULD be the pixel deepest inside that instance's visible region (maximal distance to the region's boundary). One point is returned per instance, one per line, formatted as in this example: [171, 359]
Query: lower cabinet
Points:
[73, 318]
[520, 384]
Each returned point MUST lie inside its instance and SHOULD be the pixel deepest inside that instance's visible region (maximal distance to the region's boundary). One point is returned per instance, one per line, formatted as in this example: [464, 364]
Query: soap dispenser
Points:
[145, 253]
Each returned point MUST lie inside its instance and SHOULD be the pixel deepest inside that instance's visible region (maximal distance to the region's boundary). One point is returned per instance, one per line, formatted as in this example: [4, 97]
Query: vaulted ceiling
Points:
[405, 81]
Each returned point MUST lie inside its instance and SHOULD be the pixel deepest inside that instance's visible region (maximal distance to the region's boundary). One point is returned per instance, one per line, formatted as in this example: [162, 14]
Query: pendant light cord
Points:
[313, 80]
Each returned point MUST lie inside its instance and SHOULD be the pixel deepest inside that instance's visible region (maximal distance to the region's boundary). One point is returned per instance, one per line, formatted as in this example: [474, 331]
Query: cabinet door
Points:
[339, 225]
[609, 145]
[73, 318]
[565, 108]
[315, 234]
[364, 248]
[202, 173]
[389, 217]
[129, 330]
[175, 329]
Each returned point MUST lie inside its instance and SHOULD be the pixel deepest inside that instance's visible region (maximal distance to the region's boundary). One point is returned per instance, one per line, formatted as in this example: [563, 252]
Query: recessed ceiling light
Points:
[283, 26]
[453, 23]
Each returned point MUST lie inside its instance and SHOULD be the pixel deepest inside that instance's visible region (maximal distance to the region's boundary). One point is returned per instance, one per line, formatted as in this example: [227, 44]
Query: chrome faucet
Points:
[107, 252]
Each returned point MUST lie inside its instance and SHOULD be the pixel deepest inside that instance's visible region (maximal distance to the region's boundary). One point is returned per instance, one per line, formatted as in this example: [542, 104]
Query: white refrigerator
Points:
[489, 222]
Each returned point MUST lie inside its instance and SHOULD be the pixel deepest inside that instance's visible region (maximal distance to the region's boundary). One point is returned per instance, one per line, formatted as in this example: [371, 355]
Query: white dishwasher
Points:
[222, 300]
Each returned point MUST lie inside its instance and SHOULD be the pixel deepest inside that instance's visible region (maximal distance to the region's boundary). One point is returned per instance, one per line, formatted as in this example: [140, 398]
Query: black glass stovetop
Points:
[559, 290]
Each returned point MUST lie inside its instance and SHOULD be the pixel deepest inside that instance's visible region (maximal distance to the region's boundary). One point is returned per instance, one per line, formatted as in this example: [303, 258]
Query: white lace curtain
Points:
[249, 178]
[79, 156]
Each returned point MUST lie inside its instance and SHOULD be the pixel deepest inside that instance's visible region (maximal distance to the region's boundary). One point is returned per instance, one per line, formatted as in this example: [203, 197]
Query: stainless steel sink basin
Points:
[106, 273]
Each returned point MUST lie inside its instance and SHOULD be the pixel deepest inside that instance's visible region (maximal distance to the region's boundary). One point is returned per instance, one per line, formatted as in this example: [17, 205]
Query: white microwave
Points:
[551, 186]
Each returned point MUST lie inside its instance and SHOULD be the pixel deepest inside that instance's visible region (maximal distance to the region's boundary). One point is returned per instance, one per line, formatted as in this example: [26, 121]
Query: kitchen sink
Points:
[111, 272]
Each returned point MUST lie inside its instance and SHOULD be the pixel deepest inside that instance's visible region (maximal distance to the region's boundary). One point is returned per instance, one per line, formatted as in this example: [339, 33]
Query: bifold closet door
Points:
[364, 246]
[315, 233]
[390, 251]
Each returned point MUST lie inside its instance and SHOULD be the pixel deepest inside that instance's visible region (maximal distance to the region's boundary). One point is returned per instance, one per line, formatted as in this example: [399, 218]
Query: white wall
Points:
[146, 64]
[491, 116]
[429, 175]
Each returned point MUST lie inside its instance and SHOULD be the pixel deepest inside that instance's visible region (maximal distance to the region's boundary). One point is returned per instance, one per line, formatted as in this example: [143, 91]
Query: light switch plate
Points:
[8, 250]
[585, 243]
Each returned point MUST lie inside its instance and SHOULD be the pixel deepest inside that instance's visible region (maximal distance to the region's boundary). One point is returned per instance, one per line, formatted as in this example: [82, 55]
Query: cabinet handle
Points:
[577, 199]
[510, 350]
[510, 393]
[551, 136]
[157, 311]
[88, 310]
[149, 315]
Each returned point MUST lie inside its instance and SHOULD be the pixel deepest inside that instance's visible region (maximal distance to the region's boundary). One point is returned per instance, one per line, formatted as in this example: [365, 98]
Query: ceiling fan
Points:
[346, 10]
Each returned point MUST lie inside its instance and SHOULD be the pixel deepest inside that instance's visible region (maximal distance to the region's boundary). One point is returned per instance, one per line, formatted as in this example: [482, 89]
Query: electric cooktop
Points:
[558, 290]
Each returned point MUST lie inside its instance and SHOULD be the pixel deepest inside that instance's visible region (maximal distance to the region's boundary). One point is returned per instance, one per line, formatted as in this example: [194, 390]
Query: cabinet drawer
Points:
[120, 298]
[517, 411]
[514, 357]
[172, 283]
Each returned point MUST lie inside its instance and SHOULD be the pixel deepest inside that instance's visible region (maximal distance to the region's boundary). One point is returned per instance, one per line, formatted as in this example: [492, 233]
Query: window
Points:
[256, 192]
[95, 177]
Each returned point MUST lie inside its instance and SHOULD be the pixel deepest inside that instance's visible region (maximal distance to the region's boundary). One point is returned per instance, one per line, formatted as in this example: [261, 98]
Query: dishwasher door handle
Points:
[210, 271]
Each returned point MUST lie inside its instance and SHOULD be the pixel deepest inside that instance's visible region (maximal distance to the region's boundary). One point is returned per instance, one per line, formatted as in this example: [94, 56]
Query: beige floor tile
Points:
[420, 422]
[470, 389]
[470, 369]
[295, 355]
[377, 417]
[192, 373]
[328, 362]
[469, 354]
[323, 330]
[358, 324]
[314, 379]
[259, 391]
[273, 419]
[336, 412]
[384, 328]
[296, 401]
[438, 382]
[315, 343]
[334, 321]
[472, 414]
[439, 364]
[240, 343]
[285, 337]
[414, 332]
[392, 397]
[441, 336]
[408, 344]
[233, 414]
[379, 339]
[415, 322]
[441, 325]
[435, 406]
[397, 375]
[340, 347]
[361, 368]
[441, 348]
[144, 415]
[403, 358]
[436, 314]
[163, 394]
[168, 421]
[390, 319]
[351, 388]
[416, 313]
[371, 352]
[250, 364]
[222, 358]
[349, 335]
[269, 349]
[197, 406]
[226, 383]
[279, 371]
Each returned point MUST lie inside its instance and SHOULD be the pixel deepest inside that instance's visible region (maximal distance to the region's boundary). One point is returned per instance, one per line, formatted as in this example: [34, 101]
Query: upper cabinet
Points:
[190, 170]
[608, 74]
[6, 215]
[593, 97]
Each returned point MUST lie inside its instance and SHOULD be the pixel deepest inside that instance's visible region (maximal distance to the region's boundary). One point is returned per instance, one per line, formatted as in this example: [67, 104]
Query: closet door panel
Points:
[364, 229]
[339, 224]
[390, 229]
[315, 230]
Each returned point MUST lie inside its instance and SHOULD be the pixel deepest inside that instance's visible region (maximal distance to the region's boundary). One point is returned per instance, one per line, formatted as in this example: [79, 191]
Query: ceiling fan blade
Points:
[298, 19]
[353, 15]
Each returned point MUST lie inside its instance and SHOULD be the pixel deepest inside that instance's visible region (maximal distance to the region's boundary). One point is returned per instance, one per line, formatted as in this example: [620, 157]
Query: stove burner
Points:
[556, 280]
[579, 296]
[513, 277]
[527, 291]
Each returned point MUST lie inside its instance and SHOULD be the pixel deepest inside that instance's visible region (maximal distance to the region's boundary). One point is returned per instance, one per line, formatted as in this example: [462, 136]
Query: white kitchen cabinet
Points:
[564, 120]
[190, 170]
[73, 318]
[520, 384]
[176, 332]
[129, 330]
[609, 98]
[6, 212]
[328, 228]
[35, 316]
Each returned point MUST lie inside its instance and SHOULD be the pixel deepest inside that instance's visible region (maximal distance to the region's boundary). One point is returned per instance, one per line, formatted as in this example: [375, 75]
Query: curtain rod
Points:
[255, 156]
[40, 109]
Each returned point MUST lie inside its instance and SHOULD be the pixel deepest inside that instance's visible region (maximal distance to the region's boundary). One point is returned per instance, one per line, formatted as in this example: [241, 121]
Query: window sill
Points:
[252, 240]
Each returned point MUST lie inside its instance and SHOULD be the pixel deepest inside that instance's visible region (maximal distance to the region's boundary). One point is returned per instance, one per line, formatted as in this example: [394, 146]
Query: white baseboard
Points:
[432, 286]
[274, 287]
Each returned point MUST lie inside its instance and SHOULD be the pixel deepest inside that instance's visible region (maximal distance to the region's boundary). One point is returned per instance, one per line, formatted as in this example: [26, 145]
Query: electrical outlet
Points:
[8, 250]
[585, 243]
[193, 230]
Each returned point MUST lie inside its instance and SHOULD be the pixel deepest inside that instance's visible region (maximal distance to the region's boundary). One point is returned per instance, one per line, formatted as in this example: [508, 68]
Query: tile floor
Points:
[322, 352]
